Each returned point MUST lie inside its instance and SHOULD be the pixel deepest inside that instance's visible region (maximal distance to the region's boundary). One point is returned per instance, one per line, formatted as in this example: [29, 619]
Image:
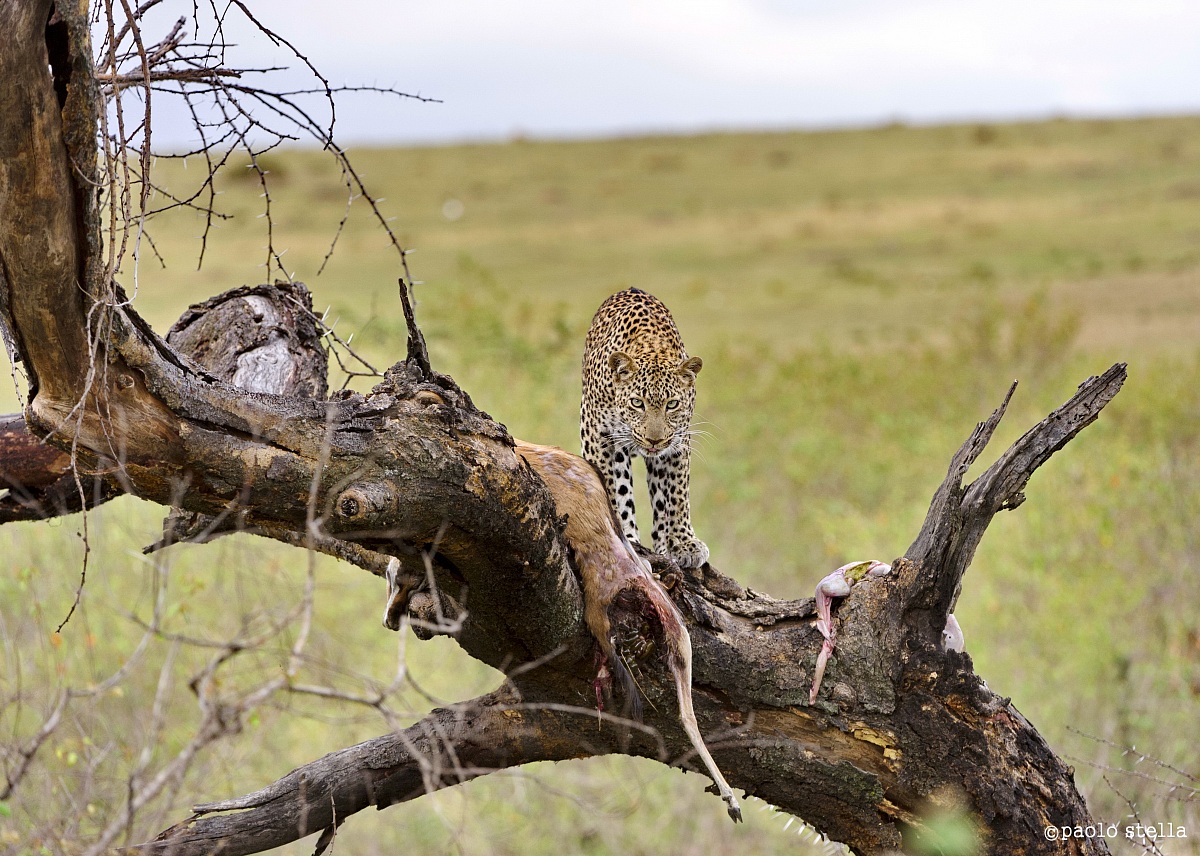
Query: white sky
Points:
[581, 68]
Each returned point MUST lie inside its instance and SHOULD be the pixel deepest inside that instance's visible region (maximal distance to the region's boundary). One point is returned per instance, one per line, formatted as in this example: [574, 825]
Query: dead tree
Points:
[377, 479]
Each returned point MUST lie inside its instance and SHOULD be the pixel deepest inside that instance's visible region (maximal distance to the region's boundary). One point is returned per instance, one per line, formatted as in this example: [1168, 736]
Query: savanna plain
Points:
[861, 300]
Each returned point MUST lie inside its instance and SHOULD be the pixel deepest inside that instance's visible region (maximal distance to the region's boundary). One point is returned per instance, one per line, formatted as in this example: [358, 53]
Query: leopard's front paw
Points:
[687, 552]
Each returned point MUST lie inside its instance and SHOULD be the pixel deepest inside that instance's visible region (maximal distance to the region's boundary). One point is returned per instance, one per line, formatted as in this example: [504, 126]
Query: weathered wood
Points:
[902, 728]
[37, 480]
[260, 338]
[39, 236]
[27, 463]
[899, 724]
[958, 515]
[451, 746]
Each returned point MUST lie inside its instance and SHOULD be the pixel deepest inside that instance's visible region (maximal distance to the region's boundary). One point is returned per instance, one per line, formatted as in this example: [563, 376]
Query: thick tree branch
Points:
[896, 728]
[26, 462]
[36, 479]
[449, 747]
[261, 338]
[42, 243]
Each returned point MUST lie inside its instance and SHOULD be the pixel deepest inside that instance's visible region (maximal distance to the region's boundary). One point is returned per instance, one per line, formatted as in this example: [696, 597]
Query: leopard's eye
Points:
[638, 403]
[672, 405]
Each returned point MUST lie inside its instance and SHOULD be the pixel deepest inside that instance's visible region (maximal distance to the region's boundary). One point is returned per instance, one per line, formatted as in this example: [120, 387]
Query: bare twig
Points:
[26, 754]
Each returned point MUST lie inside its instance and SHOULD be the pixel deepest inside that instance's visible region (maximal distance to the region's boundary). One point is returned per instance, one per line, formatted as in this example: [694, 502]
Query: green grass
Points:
[861, 300]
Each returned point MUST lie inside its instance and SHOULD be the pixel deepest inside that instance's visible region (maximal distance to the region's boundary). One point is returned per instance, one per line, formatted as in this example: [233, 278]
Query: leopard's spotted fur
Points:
[639, 391]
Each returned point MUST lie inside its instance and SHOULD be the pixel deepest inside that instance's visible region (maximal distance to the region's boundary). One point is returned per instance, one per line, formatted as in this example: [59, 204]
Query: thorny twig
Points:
[26, 755]
[229, 114]
[1148, 844]
[1188, 790]
[224, 108]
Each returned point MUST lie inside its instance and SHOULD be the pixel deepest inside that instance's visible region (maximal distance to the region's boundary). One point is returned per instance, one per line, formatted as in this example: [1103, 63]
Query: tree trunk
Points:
[901, 727]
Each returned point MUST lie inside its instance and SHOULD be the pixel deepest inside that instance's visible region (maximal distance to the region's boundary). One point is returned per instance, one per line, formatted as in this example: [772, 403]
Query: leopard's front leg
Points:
[615, 465]
[668, 479]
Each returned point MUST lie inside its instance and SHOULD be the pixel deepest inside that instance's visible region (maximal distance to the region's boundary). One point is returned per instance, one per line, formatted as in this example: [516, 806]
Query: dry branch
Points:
[900, 726]
[958, 516]
[449, 747]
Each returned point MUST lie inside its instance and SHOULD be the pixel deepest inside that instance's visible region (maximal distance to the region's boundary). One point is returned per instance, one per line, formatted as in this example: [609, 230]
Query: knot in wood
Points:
[367, 502]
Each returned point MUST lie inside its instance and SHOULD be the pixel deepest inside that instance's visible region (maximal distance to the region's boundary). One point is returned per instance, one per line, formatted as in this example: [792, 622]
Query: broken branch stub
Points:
[260, 338]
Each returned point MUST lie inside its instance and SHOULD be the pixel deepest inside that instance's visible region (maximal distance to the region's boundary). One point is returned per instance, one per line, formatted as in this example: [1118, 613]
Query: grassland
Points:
[861, 299]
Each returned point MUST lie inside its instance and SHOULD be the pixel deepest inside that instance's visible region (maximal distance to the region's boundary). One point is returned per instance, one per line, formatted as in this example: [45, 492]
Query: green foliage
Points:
[861, 300]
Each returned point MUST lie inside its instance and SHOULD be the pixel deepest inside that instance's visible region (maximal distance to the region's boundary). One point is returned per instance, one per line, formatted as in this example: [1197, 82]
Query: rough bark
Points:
[37, 478]
[898, 728]
[260, 338]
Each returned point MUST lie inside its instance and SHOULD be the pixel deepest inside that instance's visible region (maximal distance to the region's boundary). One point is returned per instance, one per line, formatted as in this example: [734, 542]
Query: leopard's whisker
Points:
[622, 441]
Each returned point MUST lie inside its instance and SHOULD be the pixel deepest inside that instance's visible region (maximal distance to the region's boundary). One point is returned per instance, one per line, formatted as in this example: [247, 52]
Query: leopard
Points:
[639, 395]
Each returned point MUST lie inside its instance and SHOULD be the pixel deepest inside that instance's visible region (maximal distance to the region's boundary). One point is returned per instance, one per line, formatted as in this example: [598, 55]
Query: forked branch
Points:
[893, 731]
[959, 515]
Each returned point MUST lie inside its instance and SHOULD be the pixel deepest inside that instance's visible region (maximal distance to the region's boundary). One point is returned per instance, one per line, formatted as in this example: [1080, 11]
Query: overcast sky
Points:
[583, 68]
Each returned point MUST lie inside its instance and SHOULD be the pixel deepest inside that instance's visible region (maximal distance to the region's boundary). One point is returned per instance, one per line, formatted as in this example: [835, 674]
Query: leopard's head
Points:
[655, 399]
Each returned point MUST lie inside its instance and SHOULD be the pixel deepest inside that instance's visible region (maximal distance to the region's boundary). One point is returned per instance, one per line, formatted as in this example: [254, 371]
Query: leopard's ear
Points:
[690, 367]
[622, 366]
